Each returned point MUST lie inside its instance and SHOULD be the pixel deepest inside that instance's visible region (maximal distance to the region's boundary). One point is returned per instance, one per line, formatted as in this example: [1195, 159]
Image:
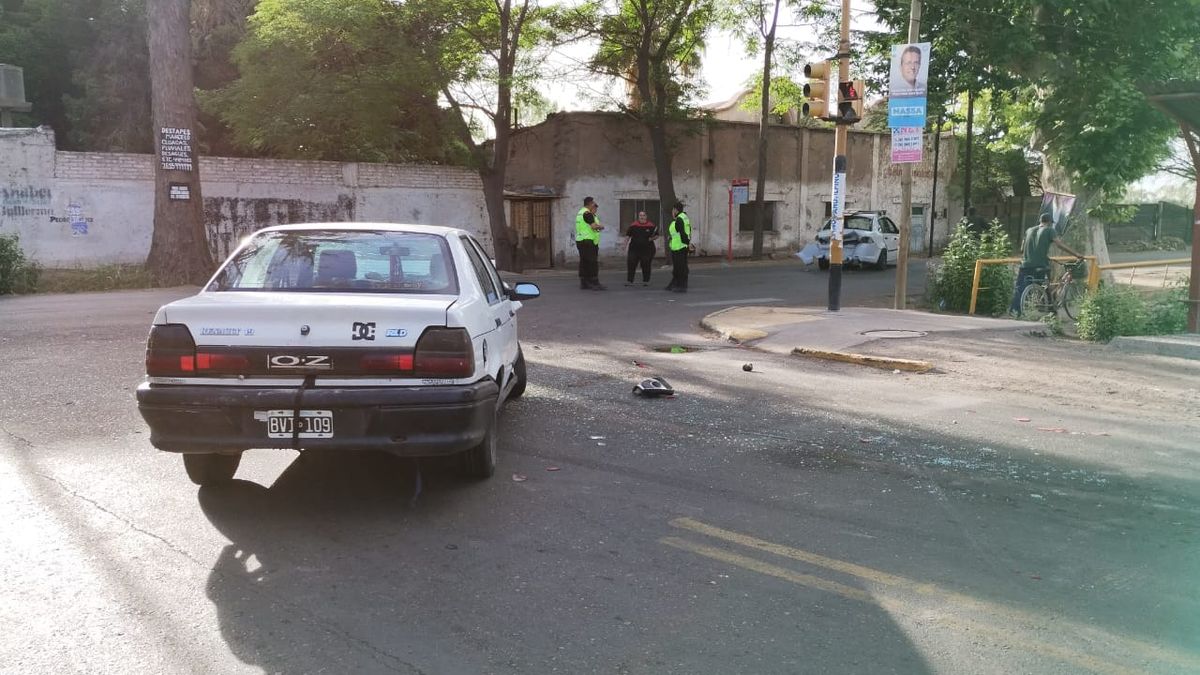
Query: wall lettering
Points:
[17, 201]
[175, 151]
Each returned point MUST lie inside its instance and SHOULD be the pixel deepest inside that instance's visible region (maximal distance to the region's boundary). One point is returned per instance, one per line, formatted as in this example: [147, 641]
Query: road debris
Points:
[1022, 419]
[552, 468]
[519, 478]
[748, 367]
[653, 387]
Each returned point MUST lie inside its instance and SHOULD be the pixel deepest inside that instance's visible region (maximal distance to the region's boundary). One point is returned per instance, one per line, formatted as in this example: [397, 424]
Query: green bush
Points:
[17, 273]
[1114, 311]
[1166, 312]
[952, 284]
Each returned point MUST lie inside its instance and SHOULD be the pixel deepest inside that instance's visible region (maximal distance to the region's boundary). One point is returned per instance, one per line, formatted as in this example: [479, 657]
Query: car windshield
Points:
[341, 261]
[861, 223]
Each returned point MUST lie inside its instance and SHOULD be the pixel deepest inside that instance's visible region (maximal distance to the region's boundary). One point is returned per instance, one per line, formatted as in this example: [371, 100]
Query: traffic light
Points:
[816, 90]
[850, 101]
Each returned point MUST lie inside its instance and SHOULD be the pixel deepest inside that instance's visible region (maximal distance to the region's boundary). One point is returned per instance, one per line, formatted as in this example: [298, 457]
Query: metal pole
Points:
[914, 29]
[729, 247]
[937, 147]
[838, 194]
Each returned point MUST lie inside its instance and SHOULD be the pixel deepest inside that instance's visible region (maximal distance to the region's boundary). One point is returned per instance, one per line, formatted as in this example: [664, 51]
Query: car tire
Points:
[479, 462]
[881, 264]
[519, 372]
[823, 263]
[211, 469]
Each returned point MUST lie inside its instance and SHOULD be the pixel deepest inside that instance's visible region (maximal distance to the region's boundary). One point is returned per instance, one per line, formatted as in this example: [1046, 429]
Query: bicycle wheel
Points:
[1034, 302]
[1072, 299]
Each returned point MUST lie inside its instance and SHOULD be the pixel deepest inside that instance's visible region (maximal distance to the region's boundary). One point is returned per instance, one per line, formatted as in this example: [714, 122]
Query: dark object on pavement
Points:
[747, 367]
[655, 386]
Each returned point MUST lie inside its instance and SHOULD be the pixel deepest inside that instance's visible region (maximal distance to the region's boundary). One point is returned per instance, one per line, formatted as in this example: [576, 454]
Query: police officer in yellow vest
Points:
[587, 240]
[679, 238]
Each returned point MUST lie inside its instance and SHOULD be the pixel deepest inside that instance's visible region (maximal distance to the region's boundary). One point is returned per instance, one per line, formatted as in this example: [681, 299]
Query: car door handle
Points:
[498, 322]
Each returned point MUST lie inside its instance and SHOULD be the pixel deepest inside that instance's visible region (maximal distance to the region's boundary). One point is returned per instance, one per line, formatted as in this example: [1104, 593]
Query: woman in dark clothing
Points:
[642, 234]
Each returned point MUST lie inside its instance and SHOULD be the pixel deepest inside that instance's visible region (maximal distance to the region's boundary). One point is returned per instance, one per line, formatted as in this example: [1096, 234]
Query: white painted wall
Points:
[88, 209]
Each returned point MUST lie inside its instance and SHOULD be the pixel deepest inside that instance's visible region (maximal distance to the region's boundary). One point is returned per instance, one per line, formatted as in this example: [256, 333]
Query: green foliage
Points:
[87, 66]
[952, 283]
[367, 93]
[1110, 312]
[1114, 311]
[1054, 324]
[1075, 63]
[17, 273]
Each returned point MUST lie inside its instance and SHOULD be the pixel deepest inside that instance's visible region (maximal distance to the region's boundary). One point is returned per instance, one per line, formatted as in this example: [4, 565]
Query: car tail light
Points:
[385, 362]
[444, 352]
[221, 364]
[170, 350]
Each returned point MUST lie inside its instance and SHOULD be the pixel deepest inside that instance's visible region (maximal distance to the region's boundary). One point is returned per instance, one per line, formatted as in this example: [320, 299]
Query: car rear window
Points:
[853, 223]
[341, 261]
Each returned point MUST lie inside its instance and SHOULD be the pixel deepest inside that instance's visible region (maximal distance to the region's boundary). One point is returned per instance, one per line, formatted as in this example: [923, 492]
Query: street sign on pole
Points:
[908, 145]
[741, 190]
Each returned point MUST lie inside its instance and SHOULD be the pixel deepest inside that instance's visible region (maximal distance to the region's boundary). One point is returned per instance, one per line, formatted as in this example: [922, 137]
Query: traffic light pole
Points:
[901, 300]
[838, 194]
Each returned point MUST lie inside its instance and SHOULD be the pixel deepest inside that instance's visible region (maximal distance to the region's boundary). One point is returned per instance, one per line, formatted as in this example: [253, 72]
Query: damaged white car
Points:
[869, 238]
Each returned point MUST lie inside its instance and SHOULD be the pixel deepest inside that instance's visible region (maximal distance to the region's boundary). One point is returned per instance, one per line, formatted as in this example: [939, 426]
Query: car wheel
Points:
[823, 263]
[881, 264]
[479, 462]
[519, 371]
[211, 469]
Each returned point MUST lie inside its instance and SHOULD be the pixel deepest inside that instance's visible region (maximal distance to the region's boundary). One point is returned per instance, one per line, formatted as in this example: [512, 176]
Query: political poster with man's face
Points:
[910, 70]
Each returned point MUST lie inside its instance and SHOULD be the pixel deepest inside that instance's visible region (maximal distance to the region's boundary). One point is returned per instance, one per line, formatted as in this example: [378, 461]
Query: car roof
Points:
[439, 230]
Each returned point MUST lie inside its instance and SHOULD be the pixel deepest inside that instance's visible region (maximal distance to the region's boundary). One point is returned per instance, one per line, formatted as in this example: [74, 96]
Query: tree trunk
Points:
[662, 164]
[504, 244]
[1193, 146]
[970, 137]
[179, 251]
[760, 190]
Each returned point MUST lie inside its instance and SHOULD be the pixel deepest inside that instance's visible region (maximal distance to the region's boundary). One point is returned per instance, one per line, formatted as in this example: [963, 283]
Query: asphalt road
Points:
[798, 518]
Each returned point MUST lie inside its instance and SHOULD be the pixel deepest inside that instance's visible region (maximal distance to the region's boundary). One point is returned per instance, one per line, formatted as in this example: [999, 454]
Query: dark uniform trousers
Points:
[679, 269]
[589, 261]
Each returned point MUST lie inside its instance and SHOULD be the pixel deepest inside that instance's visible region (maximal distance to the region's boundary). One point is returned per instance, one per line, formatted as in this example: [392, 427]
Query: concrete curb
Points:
[739, 334]
[1177, 346]
[882, 362]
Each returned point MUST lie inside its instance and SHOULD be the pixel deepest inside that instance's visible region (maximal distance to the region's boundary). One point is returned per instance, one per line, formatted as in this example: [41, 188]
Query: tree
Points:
[179, 247]
[368, 94]
[756, 22]
[1077, 63]
[486, 54]
[655, 46]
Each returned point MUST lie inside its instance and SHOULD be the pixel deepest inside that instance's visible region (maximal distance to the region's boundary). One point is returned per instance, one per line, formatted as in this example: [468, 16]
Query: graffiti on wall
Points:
[229, 219]
[18, 201]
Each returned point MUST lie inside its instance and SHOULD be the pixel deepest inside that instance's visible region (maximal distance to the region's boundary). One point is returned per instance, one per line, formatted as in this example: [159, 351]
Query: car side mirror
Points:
[524, 291]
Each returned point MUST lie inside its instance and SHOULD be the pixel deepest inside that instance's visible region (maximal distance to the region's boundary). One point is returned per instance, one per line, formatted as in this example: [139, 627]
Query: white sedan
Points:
[868, 238]
[400, 338]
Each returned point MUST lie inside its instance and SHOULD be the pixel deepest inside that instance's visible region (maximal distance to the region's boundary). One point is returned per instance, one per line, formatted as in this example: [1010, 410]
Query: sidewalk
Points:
[835, 335]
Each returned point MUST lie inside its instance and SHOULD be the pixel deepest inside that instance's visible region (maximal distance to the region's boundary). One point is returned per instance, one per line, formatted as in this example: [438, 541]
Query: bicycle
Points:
[1042, 297]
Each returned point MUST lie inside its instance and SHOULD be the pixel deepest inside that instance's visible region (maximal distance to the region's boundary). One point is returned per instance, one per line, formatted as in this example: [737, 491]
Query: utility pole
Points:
[837, 196]
[901, 300]
[937, 147]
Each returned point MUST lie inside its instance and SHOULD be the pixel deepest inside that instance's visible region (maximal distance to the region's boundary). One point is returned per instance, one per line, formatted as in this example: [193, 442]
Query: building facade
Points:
[607, 156]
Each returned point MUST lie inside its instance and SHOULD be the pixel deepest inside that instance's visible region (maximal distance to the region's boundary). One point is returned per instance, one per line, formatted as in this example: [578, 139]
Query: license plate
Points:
[313, 423]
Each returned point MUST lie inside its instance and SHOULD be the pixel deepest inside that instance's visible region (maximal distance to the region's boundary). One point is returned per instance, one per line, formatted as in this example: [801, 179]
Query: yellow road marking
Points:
[768, 569]
[1100, 636]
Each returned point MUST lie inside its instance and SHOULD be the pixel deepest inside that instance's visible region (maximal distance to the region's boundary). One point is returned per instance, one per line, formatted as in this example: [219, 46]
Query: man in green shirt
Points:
[1035, 257]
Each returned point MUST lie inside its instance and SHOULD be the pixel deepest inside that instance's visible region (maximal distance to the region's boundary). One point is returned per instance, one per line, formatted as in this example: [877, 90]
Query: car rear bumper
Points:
[413, 421]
